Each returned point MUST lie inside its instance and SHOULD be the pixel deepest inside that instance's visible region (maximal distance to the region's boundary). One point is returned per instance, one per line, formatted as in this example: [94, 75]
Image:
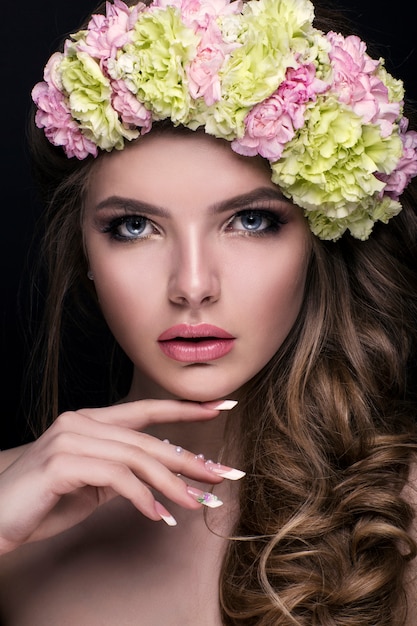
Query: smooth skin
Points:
[209, 252]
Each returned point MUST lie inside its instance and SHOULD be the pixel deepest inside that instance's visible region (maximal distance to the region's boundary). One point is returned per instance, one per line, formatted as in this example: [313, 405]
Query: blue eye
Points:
[255, 221]
[252, 221]
[134, 226]
[130, 227]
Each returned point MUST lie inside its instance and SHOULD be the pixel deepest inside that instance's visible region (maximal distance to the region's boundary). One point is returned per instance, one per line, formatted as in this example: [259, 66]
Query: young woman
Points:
[231, 184]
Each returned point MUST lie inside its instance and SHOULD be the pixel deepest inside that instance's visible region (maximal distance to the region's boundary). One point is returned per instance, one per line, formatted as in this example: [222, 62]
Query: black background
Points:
[30, 32]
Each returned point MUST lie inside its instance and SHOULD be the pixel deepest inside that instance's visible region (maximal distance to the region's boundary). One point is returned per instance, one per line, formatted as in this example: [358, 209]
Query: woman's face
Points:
[199, 263]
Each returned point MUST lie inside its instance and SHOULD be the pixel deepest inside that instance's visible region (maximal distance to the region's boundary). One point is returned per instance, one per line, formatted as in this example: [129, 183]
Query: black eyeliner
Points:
[112, 225]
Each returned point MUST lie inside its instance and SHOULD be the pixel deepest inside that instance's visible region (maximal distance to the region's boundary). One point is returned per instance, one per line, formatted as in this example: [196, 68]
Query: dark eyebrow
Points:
[257, 195]
[132, 205]
[230, 204]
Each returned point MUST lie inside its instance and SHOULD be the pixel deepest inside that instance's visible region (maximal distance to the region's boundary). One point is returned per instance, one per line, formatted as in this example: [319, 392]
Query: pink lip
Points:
[195, 343]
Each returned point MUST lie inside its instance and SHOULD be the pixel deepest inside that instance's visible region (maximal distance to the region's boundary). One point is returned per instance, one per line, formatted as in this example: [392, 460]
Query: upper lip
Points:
[194, 331]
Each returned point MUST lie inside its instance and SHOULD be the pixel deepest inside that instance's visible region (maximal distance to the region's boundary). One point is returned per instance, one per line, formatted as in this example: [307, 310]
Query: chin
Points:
[204, 394]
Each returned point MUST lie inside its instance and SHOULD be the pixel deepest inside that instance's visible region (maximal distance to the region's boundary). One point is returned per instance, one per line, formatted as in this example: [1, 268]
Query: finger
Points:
[142, 413]
[69, 473]
[149, 470]
[96, 443]
[191, 465]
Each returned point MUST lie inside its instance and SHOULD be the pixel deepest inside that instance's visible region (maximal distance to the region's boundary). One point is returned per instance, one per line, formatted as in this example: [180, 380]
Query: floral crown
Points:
[325, 114]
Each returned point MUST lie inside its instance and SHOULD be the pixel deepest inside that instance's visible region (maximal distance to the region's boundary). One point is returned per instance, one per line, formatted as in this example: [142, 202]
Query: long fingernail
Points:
[224, 405]
[224, 471]
[204, 497]
[165, 515]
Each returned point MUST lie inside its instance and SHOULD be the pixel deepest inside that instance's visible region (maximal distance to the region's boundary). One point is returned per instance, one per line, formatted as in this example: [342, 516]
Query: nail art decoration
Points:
[204, 497]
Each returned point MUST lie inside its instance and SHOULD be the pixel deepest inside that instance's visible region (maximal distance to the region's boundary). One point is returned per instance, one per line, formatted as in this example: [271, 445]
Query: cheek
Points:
[286, 294]
[280, 308]
[125, 292]
[274, 287]
[274, 302]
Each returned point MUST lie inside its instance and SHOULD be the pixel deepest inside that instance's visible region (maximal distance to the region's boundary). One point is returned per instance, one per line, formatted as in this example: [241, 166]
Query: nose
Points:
[194, 280]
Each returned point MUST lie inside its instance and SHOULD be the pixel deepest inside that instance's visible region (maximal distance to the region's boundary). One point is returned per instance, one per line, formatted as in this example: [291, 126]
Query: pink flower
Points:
[61, 129]
[348, 56]
[199, 13]
[107, 34]
[205, 11]
[51, 72]
[299, 87]
[131, 111]
[272, 123]
[268, 129]
[357, 85]
[203, 71]
[406, 168]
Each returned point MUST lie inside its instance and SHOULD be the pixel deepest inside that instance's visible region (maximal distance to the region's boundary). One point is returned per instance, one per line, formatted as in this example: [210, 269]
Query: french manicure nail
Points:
[224, 471]
[224, 405]
[204, 497]
[165, 515]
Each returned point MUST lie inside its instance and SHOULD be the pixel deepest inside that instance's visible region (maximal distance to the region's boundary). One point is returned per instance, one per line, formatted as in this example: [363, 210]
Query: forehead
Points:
[177, 167]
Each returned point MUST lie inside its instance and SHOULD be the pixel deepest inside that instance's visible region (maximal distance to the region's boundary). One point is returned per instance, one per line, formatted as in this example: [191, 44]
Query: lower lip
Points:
[196, 351]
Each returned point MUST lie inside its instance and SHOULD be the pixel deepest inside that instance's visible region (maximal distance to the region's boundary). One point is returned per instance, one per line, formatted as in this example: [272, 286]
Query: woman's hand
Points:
[88, 457]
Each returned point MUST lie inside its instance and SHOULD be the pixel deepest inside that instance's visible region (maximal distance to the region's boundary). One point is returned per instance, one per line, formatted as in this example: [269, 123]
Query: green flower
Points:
[395, 86]
[280, 25]
[161, 48]
[332, 160]
[359, 221]
[385, 208]
[331, 163]
[89, 94]
[325, 227]
[225, 120]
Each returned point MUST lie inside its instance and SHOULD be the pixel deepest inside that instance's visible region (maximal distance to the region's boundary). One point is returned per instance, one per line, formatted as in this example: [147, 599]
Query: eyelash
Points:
[276, 221]
[113, 227]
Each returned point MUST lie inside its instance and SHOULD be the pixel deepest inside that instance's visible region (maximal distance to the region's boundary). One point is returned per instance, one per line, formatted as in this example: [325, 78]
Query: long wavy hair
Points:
[328, 428]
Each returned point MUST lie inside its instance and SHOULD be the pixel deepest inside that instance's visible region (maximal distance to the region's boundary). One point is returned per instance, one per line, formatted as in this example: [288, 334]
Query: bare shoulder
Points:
[410, 493]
